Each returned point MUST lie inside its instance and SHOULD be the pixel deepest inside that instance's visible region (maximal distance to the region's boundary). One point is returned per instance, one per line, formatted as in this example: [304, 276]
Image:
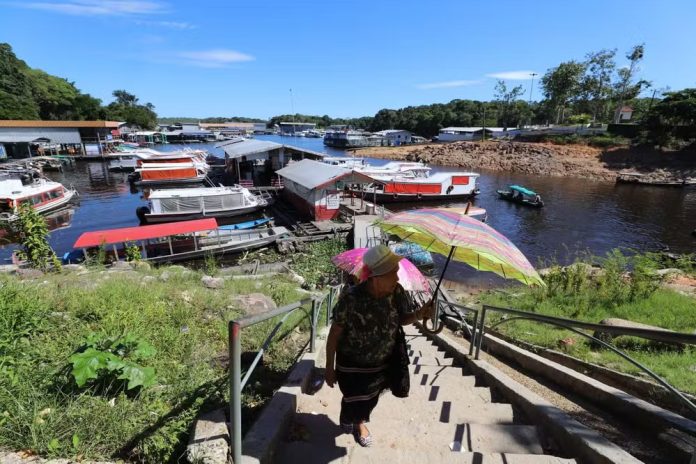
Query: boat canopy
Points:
[131, 234]
[523, 190]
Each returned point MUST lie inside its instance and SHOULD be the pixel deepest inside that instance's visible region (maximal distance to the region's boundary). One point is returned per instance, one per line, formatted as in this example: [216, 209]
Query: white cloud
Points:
[98, 7]
[180, 25]
[448, 84]
[219, 58]
[513, 75]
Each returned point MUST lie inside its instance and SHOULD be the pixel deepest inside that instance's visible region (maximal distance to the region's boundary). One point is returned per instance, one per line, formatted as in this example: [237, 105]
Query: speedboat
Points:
[28, 187]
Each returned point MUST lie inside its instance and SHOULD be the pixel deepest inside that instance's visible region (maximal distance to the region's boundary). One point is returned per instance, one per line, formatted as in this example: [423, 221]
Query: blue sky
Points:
[341, 58]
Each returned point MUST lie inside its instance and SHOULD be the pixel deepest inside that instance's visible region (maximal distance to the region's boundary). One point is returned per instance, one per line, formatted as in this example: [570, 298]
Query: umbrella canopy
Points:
[410, 277]
[450, 232]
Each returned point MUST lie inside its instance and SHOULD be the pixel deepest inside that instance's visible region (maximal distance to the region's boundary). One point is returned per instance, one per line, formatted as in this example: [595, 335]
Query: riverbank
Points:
[544, 159]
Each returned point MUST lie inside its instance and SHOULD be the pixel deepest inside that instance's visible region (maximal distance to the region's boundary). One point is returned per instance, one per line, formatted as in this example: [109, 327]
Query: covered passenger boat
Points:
[177, 241]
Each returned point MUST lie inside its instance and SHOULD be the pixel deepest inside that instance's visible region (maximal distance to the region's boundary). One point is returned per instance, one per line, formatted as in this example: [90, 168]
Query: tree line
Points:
[28, 93]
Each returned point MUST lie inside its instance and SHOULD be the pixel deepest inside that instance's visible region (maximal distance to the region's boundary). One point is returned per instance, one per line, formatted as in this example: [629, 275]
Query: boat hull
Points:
[413, 198]
[507, 196]
[150, 218]
[67, 197]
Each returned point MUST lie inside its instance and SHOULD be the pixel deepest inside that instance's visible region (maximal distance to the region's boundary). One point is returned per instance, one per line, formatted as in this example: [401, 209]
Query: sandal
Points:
[365, 442]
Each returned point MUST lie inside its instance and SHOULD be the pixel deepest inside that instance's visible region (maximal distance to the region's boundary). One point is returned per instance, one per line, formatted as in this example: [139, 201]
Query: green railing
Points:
[237, 383]
[574, 326]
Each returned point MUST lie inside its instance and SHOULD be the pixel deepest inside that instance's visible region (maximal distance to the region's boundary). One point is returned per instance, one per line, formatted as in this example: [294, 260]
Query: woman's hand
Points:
[330, 376]
[427, 311]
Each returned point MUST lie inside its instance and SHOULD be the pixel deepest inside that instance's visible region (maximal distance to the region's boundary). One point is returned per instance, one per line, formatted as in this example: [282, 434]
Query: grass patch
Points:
[572, 293]
[183, 327]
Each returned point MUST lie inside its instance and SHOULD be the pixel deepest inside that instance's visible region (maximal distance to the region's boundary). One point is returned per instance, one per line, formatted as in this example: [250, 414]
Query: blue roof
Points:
[522, 190]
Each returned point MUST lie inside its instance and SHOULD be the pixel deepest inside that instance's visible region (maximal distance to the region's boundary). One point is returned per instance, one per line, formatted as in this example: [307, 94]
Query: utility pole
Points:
[292, 111]
[531, 89]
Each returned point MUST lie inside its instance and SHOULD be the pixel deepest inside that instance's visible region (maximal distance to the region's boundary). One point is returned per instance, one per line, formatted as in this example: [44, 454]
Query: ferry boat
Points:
[195, 203]
[178, 241]
[168, 173]
[20, 187]
[353, 139]
[442, 186]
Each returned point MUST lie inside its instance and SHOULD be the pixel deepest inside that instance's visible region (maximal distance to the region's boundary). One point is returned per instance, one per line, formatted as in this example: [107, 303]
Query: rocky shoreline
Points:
[546, 159]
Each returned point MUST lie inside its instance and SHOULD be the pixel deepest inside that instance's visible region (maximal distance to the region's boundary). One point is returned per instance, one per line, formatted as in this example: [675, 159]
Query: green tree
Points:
[561, 85]
[16, 91]
[624, 87]
[597, 82]
[505, 99]
[126, 108]
[55, 96]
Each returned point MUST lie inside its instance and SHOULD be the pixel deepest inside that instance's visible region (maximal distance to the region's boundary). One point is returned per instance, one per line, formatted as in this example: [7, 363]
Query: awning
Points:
[28, 135]
[132, 234]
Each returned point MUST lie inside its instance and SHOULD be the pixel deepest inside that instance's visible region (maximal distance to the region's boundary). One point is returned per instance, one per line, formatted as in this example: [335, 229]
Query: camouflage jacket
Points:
[369, 325]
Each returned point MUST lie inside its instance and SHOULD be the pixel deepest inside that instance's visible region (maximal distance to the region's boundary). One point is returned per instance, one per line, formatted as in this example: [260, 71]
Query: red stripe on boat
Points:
[131, 234]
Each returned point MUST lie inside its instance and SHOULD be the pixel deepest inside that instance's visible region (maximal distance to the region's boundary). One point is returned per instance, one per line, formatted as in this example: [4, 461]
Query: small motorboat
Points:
[247, 225]
[522, 196]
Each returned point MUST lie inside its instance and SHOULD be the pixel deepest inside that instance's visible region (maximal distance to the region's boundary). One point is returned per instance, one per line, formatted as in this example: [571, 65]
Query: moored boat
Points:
[248, 224]
[442, 186]
[522, 196]
[27, 187]
[199, 202]
[179, 241]
[168, 173]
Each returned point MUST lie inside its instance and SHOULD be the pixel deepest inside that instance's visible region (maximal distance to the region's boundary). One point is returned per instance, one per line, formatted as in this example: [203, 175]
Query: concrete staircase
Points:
[446, 418]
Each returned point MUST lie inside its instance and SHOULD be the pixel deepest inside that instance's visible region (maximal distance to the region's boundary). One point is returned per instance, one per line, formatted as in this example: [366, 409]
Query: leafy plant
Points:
[32, 232]
[132, 252]
[112, 362]
[211, 265]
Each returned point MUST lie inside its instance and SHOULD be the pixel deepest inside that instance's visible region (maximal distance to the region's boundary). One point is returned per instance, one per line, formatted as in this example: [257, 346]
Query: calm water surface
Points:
[580, 215]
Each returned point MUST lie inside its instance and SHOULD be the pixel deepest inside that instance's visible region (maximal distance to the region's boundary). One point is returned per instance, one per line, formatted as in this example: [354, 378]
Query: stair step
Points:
[304, 453]
[488, 438]
[449, 391]
[444, 377]
[431, 361]
[449, 411]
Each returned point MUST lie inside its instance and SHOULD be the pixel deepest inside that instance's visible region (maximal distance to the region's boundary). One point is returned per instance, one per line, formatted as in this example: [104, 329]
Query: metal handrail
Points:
[460, 311]
[573, 326]
[237, 383]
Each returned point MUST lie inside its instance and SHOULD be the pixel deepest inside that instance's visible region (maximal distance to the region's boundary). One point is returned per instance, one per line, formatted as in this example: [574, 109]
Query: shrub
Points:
[32, 233]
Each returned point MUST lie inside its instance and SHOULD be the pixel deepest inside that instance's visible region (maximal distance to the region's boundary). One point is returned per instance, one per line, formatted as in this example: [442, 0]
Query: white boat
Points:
[43, 195]
[197, 203]
[347, 162]
[442, 186]
[130, 160]
[168, 173]
[396, 168]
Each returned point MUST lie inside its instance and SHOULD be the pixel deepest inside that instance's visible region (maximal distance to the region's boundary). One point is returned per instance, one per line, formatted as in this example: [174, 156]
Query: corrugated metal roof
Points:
[54, 135]
[71, 124]
[239, 148]
[312, 174]
[391, 131]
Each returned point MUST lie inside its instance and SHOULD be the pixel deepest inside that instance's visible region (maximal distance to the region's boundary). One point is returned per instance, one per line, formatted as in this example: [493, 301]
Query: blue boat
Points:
[247, 225]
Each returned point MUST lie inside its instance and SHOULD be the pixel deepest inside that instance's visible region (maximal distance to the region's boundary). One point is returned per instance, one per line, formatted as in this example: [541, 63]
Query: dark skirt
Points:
[361, 387]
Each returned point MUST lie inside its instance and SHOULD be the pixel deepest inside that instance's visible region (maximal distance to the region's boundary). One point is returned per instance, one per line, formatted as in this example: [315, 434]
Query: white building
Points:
[454, 134]
[396, 137]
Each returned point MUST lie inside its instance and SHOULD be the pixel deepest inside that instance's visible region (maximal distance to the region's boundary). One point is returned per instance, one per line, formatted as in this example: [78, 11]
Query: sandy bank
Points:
[544, 159]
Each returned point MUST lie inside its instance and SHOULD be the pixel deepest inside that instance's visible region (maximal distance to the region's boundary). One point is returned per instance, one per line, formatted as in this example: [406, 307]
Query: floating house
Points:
[396, 137]
[315, 188]
[247, 158]
[292, 128]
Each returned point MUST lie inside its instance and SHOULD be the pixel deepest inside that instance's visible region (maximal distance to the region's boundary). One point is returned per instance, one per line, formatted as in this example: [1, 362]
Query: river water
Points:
[580, 215]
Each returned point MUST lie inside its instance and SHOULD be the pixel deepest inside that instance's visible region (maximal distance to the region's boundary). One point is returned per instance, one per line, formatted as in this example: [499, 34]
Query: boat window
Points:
[36, 199]
[212, 203]
[5, 207]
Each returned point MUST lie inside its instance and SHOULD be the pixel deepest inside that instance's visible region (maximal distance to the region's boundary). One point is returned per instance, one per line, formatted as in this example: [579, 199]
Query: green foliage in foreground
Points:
[57, 333]
[571, 293]
[32, 233]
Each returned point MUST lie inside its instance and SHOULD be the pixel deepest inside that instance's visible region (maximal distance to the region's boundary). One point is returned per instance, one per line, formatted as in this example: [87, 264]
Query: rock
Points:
[212, 282]
[8, 268]
[148, 279]
[298, 279]
[669, 272]
[164, 276]
[120, 266]
[253, 303]
[29, 273]
[140, 265]
[209, 440]
[176, 268]
[74, 268]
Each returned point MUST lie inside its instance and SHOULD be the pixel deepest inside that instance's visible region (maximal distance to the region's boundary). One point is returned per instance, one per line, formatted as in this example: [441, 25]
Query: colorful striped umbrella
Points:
[450, 232]
[410, 277]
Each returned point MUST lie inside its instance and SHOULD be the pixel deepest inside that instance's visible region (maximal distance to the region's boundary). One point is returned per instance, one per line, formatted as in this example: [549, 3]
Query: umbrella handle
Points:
[436, 317]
